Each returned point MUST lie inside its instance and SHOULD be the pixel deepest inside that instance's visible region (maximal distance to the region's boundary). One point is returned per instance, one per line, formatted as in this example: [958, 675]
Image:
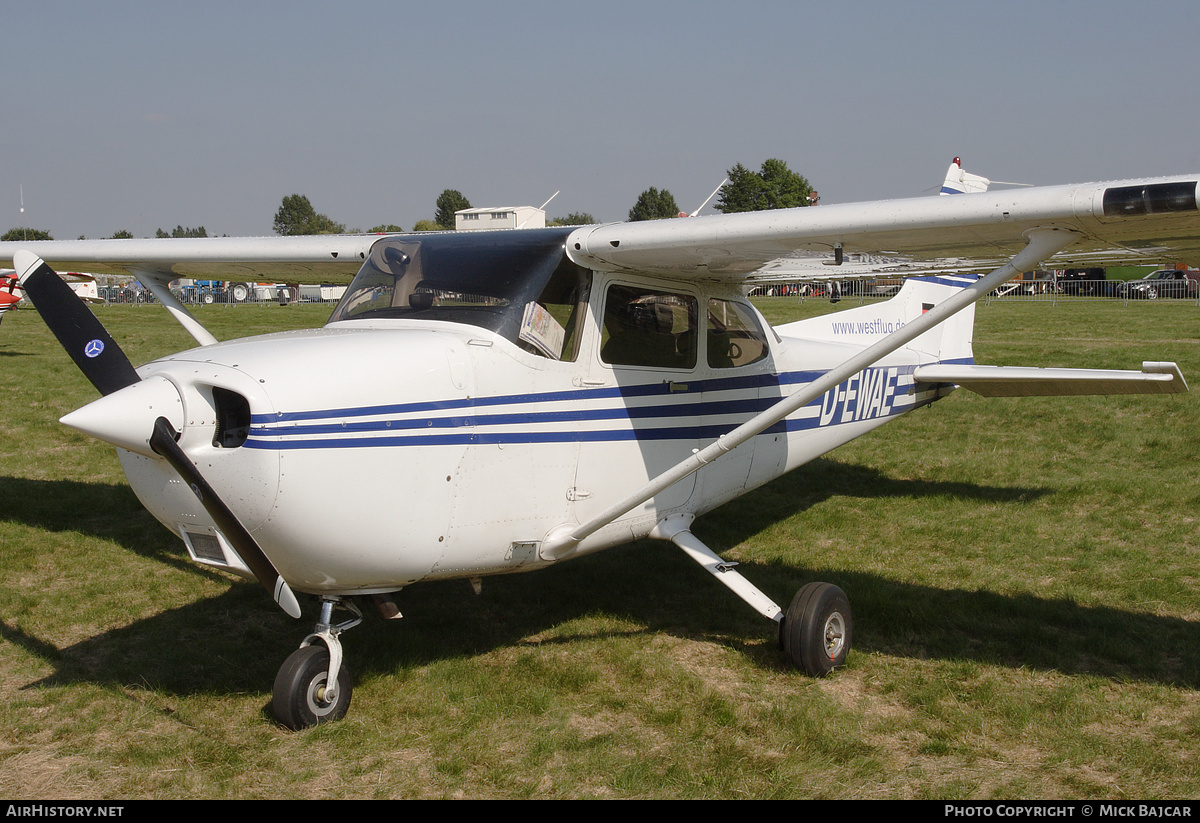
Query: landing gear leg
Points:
[313, 686]
[816, 631]
[676, 528]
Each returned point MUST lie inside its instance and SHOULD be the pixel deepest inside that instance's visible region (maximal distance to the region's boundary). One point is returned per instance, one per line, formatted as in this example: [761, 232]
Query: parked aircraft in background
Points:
[11, 293]
[9, 288]
[497, 402]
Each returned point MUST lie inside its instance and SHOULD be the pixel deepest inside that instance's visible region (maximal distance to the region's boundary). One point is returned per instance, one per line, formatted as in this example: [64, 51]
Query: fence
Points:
[236, 294]
[1042, 290]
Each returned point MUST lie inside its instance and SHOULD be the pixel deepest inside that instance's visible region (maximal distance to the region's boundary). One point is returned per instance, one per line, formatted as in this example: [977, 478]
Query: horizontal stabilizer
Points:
[1023, 381]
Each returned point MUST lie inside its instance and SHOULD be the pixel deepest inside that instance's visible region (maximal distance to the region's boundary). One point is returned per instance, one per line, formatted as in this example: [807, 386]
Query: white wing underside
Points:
[798, 267]
[314, 259]
[967, 232]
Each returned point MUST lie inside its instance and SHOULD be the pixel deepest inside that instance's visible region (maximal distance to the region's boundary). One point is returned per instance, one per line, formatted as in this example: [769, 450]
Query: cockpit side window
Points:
[647, 327]
[735, 337]
[552, 325]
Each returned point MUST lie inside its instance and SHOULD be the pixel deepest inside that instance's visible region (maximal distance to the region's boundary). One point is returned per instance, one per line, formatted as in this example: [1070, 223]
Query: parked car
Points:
[1162, 283]
[1091, 281]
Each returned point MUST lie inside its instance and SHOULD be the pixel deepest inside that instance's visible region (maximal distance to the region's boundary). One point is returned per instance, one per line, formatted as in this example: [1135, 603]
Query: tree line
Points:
[773, 186]
[37, 234]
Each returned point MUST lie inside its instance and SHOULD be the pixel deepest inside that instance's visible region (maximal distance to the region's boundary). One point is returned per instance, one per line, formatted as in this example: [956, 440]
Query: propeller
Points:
[90, 345]
[163, 441]
[106, 366]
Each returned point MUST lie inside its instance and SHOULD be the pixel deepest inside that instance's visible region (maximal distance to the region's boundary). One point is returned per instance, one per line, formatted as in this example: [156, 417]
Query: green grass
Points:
[1023, 574]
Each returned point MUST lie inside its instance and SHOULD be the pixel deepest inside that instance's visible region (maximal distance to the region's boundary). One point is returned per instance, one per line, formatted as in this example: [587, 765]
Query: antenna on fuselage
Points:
[710, 197]
[542, 209]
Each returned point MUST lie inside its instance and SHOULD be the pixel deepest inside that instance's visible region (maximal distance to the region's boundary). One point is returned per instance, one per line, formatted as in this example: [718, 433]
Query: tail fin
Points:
[961, 182]
[949, 342]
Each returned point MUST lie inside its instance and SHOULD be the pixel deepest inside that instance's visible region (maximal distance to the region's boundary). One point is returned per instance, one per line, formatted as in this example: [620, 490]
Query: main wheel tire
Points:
[240, 292]
[818, 629]
[298, 699]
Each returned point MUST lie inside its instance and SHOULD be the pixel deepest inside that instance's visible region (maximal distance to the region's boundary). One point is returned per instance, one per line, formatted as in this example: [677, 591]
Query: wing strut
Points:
[563, 540]
[162, 291]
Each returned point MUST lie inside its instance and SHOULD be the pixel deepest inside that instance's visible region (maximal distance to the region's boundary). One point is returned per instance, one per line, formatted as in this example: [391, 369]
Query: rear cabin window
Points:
[734, 335]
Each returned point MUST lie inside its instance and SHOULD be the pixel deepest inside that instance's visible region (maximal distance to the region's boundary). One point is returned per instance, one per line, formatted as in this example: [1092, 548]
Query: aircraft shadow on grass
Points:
[215, 645]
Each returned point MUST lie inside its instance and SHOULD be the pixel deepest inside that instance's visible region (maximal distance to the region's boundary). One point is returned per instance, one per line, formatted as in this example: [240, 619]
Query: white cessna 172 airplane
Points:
[495, 402]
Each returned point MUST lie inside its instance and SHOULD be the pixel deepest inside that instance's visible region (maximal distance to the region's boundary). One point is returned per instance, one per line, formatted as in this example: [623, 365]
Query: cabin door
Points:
[641, 415]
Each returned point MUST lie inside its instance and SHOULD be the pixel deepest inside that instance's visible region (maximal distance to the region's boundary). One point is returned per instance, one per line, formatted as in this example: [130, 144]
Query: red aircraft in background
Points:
[10, 292]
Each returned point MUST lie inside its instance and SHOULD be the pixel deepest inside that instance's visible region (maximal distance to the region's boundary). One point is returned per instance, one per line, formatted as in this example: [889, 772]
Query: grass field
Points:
[1023, 574]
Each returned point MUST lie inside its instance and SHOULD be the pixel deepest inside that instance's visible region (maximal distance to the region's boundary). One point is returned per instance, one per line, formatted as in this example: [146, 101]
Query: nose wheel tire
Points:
[299, 699]
[818, 628]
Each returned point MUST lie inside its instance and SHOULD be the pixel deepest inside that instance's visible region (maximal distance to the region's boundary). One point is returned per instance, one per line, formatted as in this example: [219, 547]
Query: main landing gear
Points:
[818, 627]
[313, 685]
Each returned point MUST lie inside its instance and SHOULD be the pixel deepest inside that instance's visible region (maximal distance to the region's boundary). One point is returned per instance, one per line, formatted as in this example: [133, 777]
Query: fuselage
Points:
[376, 452]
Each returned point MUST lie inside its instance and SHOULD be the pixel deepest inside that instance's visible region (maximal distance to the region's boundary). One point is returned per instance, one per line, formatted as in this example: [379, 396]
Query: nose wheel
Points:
[302, 696]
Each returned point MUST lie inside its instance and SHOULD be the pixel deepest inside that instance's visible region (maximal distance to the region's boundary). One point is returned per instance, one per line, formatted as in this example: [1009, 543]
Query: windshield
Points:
[516, 283]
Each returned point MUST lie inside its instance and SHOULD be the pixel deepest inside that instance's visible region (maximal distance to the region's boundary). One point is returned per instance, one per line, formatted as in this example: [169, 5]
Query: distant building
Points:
[500, 217]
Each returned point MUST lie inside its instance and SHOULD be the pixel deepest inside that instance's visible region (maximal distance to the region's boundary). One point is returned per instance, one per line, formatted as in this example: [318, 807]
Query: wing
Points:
[1127, 222]
[315, 258]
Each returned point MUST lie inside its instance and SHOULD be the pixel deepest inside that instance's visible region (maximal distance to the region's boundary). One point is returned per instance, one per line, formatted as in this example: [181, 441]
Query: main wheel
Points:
[298, 700]
[818, 628]
[240, 292]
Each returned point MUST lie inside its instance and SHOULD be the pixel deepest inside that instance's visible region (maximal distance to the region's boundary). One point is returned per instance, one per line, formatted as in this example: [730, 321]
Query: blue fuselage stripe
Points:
[663, 388]
[465, 429]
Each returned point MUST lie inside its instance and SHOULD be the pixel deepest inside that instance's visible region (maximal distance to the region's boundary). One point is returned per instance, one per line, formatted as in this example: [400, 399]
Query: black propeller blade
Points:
[163, 443]
[81, 334]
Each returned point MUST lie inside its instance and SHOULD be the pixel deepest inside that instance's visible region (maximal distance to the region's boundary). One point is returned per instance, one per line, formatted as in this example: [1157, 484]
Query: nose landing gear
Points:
[313, 686]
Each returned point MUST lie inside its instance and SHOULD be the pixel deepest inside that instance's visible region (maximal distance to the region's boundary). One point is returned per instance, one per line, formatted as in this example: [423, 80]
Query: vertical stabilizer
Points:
[961, 182]
[948, 342]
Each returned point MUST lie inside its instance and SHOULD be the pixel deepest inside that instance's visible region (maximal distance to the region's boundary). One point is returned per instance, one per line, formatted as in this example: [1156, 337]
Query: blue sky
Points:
[140, 115]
